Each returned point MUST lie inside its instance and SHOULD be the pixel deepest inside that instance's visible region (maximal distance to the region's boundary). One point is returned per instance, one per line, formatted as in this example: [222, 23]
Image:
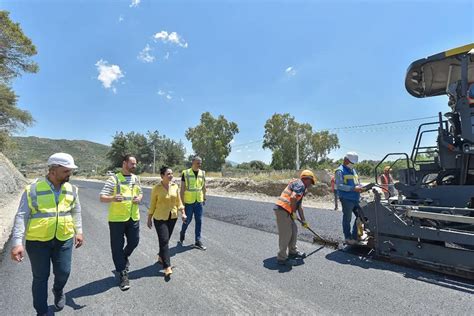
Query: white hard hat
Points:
[62, 159]
[352, 157]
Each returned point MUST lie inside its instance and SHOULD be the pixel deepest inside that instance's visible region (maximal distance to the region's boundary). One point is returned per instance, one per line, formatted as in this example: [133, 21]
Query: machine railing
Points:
[411, 172]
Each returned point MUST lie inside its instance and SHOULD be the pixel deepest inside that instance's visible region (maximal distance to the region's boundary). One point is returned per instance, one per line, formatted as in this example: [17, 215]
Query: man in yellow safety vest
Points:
[50, 216]
[123, 192]
[193, 194]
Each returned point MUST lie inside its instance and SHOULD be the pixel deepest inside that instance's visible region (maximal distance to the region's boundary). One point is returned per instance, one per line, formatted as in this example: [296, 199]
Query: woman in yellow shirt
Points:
[165, 202]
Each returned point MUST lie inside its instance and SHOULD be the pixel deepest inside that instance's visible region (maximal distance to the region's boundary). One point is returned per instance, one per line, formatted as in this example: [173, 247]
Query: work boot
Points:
[181, 238]
[288, 262]
[59, 300]
[124, 282]
[199, 245]
[297, 255]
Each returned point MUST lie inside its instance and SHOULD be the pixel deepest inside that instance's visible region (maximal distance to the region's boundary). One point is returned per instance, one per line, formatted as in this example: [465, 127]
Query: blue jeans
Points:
[42, 254]
[129, 229]
[349, 207]
[190, 209]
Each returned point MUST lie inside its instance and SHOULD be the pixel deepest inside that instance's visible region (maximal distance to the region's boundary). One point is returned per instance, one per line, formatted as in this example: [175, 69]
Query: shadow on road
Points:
[272, 264]
[355, 258]
[103, 285]
[179, 248]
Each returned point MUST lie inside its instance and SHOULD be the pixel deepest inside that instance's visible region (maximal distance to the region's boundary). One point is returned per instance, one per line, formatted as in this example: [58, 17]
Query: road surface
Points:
[238, 273]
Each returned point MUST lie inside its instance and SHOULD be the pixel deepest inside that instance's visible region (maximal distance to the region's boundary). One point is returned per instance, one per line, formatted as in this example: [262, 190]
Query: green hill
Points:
[31, 153]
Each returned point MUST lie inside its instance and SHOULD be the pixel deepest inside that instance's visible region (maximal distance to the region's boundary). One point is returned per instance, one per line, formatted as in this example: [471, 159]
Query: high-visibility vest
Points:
[124, 210]
[285, 197]
[49, 219]
[384, 182]
[193, 186]
[351, 178]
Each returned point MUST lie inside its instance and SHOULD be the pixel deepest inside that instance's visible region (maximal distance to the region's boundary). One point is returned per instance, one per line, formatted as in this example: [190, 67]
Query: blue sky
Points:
[108, 66]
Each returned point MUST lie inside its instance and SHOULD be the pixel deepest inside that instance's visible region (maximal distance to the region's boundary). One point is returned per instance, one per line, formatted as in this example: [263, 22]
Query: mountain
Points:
[31, 153]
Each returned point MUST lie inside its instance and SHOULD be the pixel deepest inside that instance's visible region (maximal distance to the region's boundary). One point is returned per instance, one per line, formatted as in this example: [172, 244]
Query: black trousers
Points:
[119, 230]
[164, 229]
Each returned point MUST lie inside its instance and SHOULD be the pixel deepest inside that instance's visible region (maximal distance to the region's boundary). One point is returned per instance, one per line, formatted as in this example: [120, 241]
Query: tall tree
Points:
[211, 140]
[15, 52]
[282, 135]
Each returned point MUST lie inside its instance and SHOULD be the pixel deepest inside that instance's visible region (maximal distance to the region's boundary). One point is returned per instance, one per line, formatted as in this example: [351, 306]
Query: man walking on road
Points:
[285, 209]
[348, 189]
[124, 193]
[193, 194]
[50, 216]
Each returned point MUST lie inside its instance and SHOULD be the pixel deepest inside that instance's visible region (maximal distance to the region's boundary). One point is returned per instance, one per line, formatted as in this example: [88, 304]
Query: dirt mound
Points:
[270, 188]
[12, 184]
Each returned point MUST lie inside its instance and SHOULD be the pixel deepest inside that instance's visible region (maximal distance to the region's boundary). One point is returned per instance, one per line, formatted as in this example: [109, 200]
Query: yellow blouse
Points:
[163, 202]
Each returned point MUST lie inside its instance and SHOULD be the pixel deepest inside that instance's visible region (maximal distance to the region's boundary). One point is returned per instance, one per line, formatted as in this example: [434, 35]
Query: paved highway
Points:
[238, 273]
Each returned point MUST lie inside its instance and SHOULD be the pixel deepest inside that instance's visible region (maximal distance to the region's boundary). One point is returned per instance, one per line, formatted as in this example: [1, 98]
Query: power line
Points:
[378, 124]
[355, 127]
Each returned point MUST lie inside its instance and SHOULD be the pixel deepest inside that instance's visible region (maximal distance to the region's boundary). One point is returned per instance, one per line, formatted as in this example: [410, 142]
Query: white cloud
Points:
[232, 141]
[121, 18]
[145, 55]
[172, 37]
[238, 151]
[290, 71]
[168, 95]
[135, 3]
[108, 74]
[167, 55]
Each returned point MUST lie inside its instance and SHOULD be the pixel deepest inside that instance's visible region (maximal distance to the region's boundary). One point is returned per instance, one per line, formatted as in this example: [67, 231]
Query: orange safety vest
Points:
[284, 199]
[385, 181]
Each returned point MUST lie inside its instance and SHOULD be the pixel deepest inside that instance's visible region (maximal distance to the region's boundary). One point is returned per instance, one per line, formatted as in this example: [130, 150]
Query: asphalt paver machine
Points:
[430, 223]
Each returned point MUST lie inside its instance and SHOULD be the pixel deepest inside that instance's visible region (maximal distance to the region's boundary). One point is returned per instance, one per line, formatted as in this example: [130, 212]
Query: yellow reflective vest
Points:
[124, 210]
[193, 186]
[49, 219]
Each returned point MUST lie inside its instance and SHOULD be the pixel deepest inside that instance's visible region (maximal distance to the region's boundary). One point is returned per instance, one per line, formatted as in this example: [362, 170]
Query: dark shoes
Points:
[124, 282]
[181, 237]
[59, 300]
[297, 255]
[199, 245]
[288, 262]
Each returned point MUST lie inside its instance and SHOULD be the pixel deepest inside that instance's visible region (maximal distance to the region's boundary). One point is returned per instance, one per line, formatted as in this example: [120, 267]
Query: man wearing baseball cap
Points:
[348, 189]
[49, 216]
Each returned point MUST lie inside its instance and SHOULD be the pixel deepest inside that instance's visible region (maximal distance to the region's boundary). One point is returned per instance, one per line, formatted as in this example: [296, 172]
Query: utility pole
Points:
[154, 157]
[297, 151]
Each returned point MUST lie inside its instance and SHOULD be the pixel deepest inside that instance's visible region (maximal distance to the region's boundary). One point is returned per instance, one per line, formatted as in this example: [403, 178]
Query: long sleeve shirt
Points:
[165, 204]
[23, 215]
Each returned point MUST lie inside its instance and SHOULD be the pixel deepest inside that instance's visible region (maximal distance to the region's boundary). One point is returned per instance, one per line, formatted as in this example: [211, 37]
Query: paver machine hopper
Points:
[431, 222]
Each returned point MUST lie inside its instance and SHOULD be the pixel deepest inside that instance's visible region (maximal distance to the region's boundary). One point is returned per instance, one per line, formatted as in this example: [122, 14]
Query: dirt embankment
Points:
[12, 184]
[318, 196]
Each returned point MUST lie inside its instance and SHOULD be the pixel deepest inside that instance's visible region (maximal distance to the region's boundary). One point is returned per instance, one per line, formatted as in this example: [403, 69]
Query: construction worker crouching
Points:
[349, 189]
[285, 209]
[50, 213]
[123, 192]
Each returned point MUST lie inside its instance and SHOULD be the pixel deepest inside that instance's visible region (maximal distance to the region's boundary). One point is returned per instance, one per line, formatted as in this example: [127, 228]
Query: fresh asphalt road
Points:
[238, 273]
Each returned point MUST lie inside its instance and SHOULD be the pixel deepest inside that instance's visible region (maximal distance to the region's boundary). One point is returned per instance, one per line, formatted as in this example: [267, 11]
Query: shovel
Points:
[317, 239]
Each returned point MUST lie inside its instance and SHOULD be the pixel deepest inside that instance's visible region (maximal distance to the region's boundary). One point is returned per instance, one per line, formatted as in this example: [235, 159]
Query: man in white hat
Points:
[49, 216]
[348, 189]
